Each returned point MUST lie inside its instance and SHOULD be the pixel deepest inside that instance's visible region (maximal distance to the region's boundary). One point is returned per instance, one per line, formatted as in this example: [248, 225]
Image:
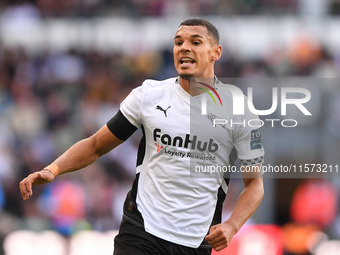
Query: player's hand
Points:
[37, 178]
[220, 235]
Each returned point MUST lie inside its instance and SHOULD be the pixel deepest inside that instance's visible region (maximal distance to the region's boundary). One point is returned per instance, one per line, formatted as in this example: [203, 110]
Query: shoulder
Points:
[149, 83]
[151, 91]
[151, 87]
[155, 88]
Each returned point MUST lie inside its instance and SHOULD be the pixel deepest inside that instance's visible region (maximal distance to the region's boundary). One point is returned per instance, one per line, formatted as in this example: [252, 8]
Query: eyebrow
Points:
[194, 36]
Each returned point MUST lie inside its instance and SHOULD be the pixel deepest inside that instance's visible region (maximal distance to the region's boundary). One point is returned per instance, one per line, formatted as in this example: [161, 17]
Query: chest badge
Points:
[161, 109]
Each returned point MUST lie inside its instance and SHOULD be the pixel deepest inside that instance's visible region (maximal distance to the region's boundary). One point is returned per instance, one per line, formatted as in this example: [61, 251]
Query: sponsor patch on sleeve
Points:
[255, 139]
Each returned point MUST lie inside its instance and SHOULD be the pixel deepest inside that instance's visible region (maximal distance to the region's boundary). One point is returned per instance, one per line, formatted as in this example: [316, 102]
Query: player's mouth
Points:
[185, 61]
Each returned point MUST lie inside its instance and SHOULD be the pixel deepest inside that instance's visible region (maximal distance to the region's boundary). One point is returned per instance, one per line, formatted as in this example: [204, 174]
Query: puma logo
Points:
[159, 147]
[161, 109]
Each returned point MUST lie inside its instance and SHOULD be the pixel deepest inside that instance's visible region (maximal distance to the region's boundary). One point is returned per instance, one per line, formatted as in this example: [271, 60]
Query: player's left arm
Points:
[249, 200]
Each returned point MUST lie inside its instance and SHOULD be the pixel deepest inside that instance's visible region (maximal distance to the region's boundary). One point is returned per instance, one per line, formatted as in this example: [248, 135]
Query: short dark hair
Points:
[212, 30]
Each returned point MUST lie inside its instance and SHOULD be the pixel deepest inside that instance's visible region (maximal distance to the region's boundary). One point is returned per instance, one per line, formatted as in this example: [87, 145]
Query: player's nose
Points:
[185, 46]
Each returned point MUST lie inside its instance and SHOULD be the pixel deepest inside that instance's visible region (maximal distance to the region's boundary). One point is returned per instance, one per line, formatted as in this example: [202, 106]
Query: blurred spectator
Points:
[2, 198]
[63, 202]
[315, 201]
[335, 7]
[19, 11]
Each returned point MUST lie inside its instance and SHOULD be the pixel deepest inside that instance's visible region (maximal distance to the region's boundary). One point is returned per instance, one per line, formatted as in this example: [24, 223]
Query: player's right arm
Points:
[80, 155]
[85, 152]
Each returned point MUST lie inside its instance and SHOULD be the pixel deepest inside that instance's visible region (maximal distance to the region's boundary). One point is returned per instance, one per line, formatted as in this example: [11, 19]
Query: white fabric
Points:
[175, 205]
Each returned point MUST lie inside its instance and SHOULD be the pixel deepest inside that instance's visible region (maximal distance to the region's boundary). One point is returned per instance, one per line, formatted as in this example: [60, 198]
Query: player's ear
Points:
[217, 52]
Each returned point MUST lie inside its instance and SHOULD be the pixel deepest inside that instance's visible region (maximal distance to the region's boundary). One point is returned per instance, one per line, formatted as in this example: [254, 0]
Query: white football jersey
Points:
[175, 194]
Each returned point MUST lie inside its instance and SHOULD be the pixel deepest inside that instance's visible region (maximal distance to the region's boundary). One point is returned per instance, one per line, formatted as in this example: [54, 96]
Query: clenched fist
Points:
[220, 235]
[37, 178]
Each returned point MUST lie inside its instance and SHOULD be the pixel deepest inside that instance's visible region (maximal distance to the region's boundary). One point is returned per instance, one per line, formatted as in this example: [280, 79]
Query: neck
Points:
[192, 85]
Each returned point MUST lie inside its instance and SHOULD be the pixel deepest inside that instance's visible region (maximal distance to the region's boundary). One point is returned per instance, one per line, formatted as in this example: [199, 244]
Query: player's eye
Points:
[178, 43]
[196, 43]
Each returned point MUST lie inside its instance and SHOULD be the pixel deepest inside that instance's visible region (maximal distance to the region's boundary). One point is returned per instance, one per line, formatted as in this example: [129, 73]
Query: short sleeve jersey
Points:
[175, 205]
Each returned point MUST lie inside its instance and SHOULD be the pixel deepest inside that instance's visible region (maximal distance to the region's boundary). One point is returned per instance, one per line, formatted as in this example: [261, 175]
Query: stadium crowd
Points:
[48, 101]
[137, 8]
[140, 8]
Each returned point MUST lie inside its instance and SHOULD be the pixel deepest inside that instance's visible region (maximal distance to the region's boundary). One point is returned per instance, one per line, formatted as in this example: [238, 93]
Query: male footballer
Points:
[167, 211]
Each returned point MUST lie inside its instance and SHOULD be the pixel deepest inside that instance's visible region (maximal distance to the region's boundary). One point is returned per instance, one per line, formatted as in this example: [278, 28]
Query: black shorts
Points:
[133, 240]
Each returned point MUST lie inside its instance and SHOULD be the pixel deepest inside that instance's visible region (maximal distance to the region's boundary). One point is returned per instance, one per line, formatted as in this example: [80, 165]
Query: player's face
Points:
[195, 52]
